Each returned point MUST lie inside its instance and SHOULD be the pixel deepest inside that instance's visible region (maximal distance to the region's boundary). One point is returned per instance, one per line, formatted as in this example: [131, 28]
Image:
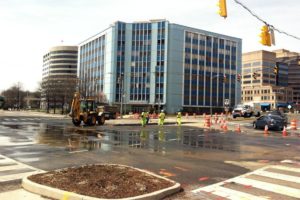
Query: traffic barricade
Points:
[207, 122]
[293, 124]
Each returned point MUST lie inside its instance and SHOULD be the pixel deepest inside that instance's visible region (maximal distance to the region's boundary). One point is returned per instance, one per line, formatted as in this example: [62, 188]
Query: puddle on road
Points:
[162, 140]
[75, 139]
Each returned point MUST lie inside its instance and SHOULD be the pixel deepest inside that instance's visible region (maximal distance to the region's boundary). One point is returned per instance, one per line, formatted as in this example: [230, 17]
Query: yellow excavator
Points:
[86, 111]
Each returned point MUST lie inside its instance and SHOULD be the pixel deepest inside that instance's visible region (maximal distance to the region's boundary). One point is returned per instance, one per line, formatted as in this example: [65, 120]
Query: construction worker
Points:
[179, 118]
[143, 119]
[147, 117]
[161, 118]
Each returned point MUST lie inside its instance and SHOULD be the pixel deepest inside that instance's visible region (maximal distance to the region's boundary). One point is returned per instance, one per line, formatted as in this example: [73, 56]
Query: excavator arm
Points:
[75, 108]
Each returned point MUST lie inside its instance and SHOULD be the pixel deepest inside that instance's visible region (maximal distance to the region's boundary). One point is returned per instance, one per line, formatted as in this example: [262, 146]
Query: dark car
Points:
[274, 122]
[279, 113]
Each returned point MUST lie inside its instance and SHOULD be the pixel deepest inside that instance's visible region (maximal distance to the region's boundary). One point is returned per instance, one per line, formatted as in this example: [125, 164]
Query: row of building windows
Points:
[141, 56]
[215, 59]
[259, 63]
[279, 98]
[92, 65]
[59, 52]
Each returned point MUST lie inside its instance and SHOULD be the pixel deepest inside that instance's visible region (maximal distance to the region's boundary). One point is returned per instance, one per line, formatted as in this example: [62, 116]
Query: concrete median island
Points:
[101, 181]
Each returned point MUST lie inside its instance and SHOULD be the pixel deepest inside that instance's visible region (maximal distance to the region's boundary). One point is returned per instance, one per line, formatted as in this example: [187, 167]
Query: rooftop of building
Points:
[153, 21]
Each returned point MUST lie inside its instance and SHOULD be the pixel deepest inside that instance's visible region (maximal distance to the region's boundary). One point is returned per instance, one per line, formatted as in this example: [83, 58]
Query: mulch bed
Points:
[102, 181]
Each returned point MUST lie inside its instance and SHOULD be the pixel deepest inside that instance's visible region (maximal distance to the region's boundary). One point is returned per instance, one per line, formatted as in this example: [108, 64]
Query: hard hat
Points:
[162, 111]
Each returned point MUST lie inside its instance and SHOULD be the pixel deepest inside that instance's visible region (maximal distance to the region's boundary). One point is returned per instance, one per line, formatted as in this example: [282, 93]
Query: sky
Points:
[30, 27]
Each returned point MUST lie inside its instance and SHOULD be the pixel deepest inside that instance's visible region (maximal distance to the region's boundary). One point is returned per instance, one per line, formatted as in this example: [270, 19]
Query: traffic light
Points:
[265, 36]
[222, 8]
[239, 77]
[275, 70]
[254, 75]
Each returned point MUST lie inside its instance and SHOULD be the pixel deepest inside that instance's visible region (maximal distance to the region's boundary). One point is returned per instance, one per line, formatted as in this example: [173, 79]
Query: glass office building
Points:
[160, 65]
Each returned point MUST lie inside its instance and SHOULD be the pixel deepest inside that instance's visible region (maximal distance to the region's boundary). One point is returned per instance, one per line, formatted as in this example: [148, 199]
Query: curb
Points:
[62, 194]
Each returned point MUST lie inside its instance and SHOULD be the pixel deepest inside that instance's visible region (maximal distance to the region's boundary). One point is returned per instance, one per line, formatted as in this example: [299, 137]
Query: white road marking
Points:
[279, 176]
[218, 190]
[6, 162]
[16, 176]
[232, 194]
[11, 167]
[288, 191]
[79, 151]
[292, 169]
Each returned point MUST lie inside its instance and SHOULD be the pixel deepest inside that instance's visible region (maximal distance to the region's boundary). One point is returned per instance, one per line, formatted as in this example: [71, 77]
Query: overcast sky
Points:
[30, 27]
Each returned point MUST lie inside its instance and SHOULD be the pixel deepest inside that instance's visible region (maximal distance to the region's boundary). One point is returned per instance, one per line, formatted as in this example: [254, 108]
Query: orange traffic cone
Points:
[221, 124]
[284, 132]
[266, 130]
[225, 128]
[238, 129]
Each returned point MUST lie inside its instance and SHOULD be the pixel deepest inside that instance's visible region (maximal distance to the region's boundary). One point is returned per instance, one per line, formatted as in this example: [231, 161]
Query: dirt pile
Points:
[102, 181]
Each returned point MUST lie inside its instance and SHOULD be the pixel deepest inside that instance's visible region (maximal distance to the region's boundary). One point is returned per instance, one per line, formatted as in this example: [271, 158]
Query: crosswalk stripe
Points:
[18, 143]
[292, 169]
[16, 176]
[6, 162]
[9, 160]
[11, 167]
[278, 176]
[231, 194]
[269, 187]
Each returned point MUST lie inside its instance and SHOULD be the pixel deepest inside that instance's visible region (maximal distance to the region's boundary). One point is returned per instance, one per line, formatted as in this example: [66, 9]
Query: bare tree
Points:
[58, 93]
[14, 96]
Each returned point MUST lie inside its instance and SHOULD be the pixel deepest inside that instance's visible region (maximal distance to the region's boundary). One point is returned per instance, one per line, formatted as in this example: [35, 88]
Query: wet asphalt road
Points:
[192, 156]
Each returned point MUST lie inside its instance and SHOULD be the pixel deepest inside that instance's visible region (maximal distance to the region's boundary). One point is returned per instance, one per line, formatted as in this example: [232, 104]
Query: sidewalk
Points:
[31, 113]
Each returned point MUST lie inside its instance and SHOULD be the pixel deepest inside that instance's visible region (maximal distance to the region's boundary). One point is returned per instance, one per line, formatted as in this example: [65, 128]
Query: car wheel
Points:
[76, 122]
[101, 120]
[92, 120]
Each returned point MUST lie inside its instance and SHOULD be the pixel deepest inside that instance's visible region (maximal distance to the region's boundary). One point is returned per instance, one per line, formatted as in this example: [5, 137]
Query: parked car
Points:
[274, 122]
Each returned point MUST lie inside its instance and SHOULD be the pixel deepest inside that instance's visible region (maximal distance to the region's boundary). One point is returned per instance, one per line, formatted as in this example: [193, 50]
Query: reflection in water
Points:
[71, 138]
[154, 141]
[210, 141]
